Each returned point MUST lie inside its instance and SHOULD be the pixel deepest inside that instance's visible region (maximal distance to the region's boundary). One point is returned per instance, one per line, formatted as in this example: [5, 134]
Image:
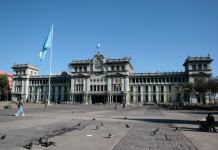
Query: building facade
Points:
[103, 80]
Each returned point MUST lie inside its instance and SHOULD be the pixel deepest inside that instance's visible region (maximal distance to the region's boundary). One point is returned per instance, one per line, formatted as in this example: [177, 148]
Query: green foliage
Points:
[4, 87]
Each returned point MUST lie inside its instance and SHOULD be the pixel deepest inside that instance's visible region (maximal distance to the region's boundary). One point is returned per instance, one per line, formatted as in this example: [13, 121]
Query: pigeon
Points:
[175, 129]
[93, 119]
[97, 127]
[109, 135]
[125, 117]
[101, 124]
[154, 132]
[127, 126]
[3, 137]
[167, 137]
[29, 146]
[78, 124]
[43, 140]
[47, 144]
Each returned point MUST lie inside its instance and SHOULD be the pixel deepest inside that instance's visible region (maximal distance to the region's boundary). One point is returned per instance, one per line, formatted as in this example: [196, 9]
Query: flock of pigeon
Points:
[166, 136]
[43, 141]
[101, 124]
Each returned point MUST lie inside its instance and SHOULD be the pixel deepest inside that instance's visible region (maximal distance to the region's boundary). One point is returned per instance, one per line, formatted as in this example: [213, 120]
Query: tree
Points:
[212, 86]
[4, 87]
[187, 90]
[201, 88]
[175, 94]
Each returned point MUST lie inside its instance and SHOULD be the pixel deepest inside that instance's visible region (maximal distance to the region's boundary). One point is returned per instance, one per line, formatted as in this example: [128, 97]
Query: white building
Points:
[102, 80]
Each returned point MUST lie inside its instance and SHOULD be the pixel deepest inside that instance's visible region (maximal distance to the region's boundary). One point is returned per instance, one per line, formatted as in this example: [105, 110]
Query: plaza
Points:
[60, 124]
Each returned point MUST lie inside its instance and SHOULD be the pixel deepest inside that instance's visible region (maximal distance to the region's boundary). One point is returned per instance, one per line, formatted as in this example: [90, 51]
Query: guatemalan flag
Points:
[47, 44]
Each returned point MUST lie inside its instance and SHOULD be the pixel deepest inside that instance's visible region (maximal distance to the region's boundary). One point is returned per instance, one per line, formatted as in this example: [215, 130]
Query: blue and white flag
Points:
[47, 44]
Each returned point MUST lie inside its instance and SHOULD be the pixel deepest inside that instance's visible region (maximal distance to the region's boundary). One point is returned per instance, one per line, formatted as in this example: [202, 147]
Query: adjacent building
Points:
[104, 80]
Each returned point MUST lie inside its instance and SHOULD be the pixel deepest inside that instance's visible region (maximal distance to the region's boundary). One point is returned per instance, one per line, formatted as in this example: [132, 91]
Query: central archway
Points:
[98, 99]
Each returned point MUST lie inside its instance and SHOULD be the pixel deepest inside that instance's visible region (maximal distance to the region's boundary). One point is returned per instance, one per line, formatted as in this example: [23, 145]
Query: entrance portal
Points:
[98, 99]
[78, 99]
[118, 99]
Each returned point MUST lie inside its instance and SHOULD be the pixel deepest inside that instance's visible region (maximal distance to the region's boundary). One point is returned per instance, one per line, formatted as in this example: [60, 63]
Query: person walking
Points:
[20, 107]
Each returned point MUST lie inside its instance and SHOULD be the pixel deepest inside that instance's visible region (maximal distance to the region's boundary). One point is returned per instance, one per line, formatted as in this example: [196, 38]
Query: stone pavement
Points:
[144, 137]
[143, 120]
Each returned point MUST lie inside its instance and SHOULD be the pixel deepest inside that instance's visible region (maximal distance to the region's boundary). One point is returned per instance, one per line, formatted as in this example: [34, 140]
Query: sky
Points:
[157, 34]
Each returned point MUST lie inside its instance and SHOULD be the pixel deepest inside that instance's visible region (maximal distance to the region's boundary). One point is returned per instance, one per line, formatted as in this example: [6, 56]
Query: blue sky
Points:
[157, 34]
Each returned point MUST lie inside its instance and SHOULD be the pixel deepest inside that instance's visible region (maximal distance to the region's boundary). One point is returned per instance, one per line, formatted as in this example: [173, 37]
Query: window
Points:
[138, 98]
[112, 68]
[85, 69]
[154, 88]
[162, 88]
[171, 79]
[170, 88]
[156, 80]
[94, 87]
[80, 69]
[131, 89]
[193, 67]
[144, 80]
[148, 79]
[146, 97]
[154, 98]
[117, 68]
[162, 98]
[137, 80]
[91, 87]
[75, 69]
[199, 67]
[205, 66]
[123, 68]
[146, 88]
[133, 80]
[139, 88]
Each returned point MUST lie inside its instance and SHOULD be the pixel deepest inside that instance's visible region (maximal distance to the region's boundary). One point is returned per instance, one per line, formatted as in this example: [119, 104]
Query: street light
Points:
[116, 107]
[116, 89]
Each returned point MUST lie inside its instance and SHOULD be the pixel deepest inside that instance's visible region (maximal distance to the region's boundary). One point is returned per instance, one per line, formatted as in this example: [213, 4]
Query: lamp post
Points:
[116, 90]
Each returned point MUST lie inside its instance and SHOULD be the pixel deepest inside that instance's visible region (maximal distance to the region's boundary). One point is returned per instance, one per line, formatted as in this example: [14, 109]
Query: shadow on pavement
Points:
[168, 121]
[202, 112]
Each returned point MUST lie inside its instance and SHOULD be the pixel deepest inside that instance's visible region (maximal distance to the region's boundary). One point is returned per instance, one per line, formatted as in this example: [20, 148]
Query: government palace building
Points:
[104, 80]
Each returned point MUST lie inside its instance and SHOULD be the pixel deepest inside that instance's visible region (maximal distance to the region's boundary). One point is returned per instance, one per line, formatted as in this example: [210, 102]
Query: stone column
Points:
[126, 90]
[141, 93]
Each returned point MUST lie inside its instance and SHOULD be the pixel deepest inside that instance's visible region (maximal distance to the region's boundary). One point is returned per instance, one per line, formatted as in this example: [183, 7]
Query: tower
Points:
[21, 75]
[198, 67]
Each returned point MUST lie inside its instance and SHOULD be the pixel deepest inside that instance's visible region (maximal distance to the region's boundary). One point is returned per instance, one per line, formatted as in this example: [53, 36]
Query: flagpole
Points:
[49, 80]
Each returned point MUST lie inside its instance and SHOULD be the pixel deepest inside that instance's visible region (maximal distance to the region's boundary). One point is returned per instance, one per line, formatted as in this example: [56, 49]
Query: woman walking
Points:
[20, 108]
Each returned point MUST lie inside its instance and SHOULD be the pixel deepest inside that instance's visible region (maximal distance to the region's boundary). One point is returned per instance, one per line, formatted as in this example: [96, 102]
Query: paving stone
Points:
[141, 137]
